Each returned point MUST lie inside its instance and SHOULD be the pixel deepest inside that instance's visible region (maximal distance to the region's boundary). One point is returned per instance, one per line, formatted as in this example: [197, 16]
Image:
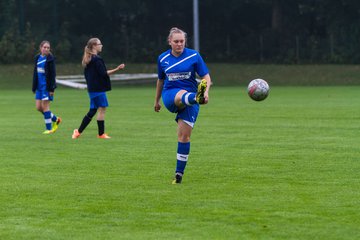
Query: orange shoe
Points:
[76, 134]
[105, 136]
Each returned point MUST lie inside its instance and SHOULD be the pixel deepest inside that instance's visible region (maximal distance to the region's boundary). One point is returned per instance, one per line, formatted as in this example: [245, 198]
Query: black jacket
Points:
[50, 73]
[96, 76]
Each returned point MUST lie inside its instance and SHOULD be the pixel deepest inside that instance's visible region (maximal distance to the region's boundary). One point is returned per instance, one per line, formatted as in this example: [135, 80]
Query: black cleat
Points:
[178, 178]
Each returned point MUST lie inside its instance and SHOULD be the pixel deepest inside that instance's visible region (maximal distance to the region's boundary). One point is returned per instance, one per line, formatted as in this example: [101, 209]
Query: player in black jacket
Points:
[98, 83]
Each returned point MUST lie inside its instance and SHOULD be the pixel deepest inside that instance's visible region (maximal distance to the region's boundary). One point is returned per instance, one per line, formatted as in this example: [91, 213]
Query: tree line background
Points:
[249, 31]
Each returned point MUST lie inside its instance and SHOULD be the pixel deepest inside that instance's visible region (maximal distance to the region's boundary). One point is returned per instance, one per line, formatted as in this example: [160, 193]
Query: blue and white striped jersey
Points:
[180, 72]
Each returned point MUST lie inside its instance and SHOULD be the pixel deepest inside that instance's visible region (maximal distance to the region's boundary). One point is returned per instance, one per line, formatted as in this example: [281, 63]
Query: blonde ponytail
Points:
[86, 57]
[88, 51]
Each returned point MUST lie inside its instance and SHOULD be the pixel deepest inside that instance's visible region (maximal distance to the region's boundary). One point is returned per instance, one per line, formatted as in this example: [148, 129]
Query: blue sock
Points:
[182, 156]
[47, 117]
[53, 117]
[188, 98]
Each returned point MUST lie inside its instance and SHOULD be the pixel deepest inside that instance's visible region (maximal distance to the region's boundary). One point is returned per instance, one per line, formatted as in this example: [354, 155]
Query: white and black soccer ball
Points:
[258, 89]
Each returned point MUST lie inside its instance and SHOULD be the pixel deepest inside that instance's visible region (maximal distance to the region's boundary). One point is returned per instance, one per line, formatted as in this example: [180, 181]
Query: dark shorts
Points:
[100, 100]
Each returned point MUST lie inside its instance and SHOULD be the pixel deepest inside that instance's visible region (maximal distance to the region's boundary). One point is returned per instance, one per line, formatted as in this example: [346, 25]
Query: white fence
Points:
[78, 81]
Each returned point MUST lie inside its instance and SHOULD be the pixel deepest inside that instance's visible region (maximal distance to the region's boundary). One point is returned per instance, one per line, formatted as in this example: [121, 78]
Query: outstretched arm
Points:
[112, 71]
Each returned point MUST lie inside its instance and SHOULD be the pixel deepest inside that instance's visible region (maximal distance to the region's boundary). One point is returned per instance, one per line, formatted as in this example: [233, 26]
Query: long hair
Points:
[176, 30]
[42, 44]
[88, 51]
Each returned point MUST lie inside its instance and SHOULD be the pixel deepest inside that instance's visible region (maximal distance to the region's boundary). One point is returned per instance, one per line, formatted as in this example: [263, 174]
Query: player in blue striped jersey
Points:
[180, 91]
[44, 85]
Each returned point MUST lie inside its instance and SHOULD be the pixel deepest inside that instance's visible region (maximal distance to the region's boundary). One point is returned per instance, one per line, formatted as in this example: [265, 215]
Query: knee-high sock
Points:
[53, 117]
[101, 127]
[188, 98]
[182, 156]
[87, 119]
[47, 118]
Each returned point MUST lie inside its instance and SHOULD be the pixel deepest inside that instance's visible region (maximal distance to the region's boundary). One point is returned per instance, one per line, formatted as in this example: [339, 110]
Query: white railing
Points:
[78, 81]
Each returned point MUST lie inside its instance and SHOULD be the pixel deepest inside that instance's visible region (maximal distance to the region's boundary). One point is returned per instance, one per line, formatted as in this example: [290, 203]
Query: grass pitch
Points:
[284, 168]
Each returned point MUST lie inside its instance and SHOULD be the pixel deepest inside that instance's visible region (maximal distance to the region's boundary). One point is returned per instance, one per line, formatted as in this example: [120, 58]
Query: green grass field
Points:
[284, 168]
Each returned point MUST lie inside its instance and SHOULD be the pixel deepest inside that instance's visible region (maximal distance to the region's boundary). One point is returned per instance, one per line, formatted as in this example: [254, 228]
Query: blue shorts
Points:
[188, 113]
[43, 95]
[98, 100]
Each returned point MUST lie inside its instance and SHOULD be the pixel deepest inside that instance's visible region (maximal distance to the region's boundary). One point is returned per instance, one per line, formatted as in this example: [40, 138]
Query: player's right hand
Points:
[121, 66]
[157, 107]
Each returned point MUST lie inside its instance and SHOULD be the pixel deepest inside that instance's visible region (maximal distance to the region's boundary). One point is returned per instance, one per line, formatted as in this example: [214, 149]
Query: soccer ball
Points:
[258, 89]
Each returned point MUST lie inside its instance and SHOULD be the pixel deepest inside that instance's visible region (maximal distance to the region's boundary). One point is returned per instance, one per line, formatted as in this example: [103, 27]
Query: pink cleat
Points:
[76, 134]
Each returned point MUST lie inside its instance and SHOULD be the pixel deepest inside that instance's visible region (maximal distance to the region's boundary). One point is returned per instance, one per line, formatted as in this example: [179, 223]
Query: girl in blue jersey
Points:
[98, 83]
[44, 85]
[181, 93]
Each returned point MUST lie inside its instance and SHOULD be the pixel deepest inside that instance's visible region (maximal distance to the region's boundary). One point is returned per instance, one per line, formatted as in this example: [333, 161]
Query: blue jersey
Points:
[41, 73]
[180, 72]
